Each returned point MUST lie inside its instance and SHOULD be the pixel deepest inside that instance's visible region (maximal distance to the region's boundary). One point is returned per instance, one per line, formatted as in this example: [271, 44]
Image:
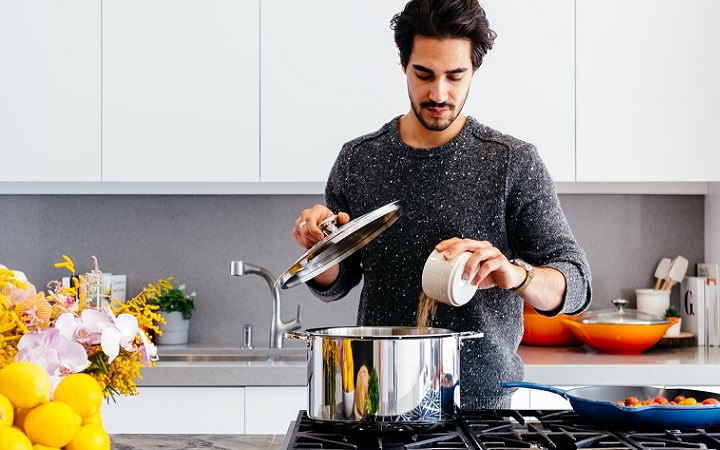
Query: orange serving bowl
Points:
[547, 331]
[623, 339]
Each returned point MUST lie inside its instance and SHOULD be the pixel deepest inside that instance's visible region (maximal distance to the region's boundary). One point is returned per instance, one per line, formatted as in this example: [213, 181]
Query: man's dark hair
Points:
[442, 19]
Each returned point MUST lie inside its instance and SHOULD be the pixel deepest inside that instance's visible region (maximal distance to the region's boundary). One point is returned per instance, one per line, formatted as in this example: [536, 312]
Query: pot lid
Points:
[621, 316]
[339, 243]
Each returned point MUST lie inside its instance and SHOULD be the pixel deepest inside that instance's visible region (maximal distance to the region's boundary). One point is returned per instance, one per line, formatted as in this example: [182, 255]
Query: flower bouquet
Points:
[72, 329]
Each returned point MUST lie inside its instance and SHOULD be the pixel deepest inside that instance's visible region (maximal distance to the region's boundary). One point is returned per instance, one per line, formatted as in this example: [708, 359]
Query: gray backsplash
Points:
[194, 238]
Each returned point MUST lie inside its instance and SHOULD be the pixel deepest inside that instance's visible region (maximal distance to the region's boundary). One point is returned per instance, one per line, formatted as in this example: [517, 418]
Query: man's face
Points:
[438, 76]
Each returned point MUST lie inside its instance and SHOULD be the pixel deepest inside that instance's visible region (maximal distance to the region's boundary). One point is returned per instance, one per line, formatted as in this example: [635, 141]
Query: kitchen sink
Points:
[234, 358]
[200, 355]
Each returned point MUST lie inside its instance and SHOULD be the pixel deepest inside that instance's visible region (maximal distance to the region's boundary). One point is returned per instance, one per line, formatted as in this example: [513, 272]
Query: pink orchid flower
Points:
[52, 351]
[86, 329]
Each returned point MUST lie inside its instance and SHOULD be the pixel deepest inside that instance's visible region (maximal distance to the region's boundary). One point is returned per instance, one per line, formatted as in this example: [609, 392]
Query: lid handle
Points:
[329, 225]
[620, 304]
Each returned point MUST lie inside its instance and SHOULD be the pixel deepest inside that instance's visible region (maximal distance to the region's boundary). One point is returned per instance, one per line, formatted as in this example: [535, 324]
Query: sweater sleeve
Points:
[335, 199]
[538, 230]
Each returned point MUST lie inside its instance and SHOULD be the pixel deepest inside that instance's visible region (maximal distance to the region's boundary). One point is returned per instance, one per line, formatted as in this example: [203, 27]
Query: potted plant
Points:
[674, 330]
[176, 308]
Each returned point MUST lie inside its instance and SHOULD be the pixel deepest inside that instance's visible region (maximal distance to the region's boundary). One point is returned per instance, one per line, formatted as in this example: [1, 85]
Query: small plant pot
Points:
[674, 329]
[175, 331]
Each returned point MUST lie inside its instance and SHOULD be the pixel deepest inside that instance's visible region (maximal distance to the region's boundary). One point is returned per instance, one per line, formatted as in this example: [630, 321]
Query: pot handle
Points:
[468, 335]
[528, 385]
[299, 335]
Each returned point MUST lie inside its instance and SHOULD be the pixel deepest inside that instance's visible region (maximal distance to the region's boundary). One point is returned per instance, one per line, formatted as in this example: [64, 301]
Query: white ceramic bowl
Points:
[442, 279]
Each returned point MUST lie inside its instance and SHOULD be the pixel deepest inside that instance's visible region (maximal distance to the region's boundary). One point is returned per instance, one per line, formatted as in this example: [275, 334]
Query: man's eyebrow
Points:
[420, 68]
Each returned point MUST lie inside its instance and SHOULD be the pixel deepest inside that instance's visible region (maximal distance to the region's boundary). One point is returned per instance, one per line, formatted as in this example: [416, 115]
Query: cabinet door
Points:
[177, 410]
[648, 97]
[330, 73]
[180, 90]
[50, 90]
[270, 409]
[526, 84]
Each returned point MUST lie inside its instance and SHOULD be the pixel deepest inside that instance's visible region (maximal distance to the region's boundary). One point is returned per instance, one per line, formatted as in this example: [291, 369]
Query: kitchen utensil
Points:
[597, 404]
[677, 272]
[547, 331]
[339, 243]
[401, 374]
[661, 272]
[442, 279]
[619, 330]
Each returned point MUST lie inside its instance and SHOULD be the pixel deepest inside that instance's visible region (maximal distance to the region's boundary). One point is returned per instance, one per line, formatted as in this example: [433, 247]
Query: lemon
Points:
[95, 419]
[52, 424]
[13, 439]
[7, 412]
[42, 447]
[89, 437]
[25, 383]
[81, 392]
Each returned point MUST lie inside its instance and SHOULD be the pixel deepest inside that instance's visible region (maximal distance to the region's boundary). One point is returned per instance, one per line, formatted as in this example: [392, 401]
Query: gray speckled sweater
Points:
[481, 185]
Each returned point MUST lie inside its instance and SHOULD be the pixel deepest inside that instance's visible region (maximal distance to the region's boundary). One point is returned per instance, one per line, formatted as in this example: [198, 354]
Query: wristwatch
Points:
[528, 277]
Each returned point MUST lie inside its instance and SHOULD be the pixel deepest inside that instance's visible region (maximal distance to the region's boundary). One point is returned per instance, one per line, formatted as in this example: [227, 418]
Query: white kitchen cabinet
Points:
[177, 410]
[180, 90]
[526, 84]
[330, 73]
[648, 97]
[342, 87]
[50, 90]
[270, 409]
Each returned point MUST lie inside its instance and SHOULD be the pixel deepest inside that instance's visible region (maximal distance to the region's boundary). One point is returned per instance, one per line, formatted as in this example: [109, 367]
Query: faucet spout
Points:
[277, 326]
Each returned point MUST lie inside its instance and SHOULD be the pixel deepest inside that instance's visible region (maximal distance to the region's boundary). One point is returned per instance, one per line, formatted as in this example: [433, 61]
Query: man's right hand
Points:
[307, 232]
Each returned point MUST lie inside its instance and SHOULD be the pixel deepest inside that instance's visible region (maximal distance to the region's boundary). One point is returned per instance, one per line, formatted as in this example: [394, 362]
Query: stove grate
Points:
[310, 434]
[560, 430]
[492, 430]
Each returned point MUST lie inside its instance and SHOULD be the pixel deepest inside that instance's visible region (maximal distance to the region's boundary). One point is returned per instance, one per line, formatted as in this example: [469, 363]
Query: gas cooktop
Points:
[492, 430]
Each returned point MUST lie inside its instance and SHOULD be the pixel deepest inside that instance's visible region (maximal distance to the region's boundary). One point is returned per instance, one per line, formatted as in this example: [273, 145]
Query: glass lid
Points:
[339, 243]
[621, 316]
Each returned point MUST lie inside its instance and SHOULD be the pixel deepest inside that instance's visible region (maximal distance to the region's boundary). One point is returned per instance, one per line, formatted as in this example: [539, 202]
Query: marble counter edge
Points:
[165, 441]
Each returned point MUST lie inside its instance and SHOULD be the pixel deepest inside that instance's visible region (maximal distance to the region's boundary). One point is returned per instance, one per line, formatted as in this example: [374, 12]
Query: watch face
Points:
[521, 263]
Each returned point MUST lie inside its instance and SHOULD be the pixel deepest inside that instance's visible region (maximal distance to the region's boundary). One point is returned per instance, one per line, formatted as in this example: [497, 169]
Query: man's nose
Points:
[439, 91]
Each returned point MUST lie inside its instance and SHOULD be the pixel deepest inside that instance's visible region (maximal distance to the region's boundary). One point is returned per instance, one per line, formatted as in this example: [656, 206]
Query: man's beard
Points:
[436, 124]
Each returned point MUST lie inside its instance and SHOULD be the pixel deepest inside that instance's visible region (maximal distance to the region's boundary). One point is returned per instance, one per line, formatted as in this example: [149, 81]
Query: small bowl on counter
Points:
[619, 330]
[539, 330]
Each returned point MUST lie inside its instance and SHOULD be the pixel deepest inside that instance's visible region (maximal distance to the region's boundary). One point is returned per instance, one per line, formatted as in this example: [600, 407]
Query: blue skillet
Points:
[596, 404]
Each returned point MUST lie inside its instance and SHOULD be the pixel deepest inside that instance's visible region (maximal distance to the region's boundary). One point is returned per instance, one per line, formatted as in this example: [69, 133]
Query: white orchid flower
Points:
[121, 335]
[148, 350]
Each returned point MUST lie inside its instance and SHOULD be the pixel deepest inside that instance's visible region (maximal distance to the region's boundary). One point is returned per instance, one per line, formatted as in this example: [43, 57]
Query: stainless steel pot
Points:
[398, 374]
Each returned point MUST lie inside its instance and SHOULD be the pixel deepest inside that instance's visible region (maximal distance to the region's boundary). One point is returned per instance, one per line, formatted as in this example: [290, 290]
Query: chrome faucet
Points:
[277, 326]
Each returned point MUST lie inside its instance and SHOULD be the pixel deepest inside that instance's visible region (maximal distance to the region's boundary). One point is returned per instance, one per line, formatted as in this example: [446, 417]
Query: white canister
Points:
[652, 301]
[442, 279]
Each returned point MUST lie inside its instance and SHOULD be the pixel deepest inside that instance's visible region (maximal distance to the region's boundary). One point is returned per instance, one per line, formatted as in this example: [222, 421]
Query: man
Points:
[464, 188]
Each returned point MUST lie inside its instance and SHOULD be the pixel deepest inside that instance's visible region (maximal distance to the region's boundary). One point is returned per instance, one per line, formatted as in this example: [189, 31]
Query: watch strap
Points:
[529, 275]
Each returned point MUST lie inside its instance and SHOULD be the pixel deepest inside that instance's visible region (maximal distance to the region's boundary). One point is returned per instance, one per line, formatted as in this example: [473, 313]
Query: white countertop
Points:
[580, 366]
[559, 366]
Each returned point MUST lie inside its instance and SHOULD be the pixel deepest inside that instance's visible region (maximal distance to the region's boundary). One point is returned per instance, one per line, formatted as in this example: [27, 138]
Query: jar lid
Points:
[339, 243]
[621, 316]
